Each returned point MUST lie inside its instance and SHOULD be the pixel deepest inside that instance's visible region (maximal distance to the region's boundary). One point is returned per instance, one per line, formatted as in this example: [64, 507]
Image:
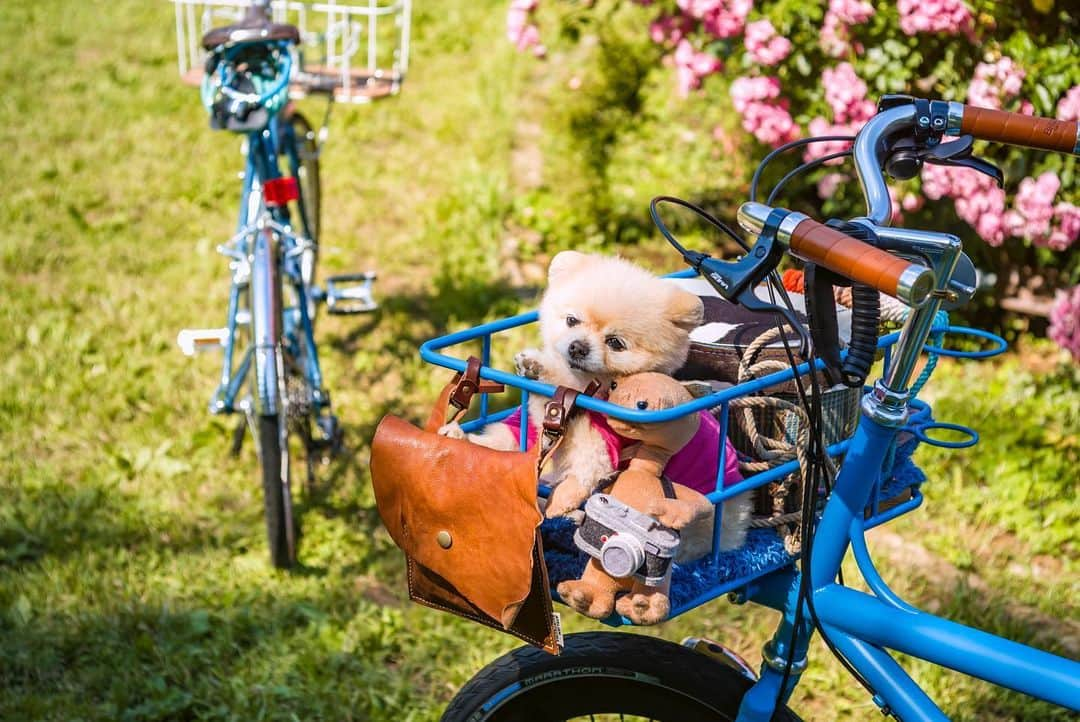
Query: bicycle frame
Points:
[862, 626]
[265, 253]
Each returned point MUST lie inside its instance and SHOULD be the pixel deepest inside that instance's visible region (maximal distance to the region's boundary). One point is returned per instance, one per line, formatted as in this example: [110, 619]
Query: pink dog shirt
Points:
[694, 465]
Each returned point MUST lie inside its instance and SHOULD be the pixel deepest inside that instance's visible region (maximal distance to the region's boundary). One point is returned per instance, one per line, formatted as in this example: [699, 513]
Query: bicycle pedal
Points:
[193, 340]
[350, 293]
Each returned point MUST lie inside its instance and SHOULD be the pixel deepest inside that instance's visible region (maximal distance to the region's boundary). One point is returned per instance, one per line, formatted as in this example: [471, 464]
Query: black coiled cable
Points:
[865, 316]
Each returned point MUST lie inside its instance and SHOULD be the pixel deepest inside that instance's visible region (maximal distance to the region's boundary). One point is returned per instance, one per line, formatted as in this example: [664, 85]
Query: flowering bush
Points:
[1065, 321]
[796, 68]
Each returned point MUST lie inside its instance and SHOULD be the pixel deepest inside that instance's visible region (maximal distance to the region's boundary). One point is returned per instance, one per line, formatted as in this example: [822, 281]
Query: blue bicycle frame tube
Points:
[262, 166]
[892, 684]
[262, 147]
[849, 497]
[229, 386]
[949, 644]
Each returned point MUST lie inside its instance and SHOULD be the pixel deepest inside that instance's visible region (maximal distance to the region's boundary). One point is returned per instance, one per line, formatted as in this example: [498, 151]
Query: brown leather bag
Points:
[467, 516]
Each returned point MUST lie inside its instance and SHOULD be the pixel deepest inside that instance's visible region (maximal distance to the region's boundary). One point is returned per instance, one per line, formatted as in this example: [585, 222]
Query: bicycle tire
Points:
[604, 673]
[282, 553]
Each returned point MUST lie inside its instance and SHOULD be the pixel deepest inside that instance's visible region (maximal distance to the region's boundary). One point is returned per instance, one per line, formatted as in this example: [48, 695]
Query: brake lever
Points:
[974, 163]
[907, 156]
[736, 280]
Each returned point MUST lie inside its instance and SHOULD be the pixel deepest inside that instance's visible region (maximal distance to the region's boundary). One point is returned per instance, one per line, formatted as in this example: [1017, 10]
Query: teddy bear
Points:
[596, 594]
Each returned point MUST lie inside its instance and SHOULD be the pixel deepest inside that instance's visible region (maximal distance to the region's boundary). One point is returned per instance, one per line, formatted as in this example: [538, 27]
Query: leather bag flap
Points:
[465, 512]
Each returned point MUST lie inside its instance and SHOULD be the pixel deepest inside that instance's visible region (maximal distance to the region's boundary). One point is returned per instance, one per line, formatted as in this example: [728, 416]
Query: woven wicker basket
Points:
[779, 422]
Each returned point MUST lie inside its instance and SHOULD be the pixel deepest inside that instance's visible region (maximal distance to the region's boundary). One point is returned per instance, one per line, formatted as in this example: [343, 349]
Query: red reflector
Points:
[280, 191]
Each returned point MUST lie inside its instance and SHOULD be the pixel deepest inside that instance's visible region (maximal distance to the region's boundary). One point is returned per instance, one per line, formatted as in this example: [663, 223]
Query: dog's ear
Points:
[685, 310]
[566, 262]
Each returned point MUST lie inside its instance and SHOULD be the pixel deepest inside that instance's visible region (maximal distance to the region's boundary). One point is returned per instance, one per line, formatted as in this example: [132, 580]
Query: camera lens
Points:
[622, 555]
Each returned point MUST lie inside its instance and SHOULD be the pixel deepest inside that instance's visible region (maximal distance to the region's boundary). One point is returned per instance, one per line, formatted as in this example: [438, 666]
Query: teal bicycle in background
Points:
[248, 71]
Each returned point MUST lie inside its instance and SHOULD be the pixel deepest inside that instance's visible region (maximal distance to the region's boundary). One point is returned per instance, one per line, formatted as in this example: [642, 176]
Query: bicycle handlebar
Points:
[835, 250]
[901, 120]
[1019, 129]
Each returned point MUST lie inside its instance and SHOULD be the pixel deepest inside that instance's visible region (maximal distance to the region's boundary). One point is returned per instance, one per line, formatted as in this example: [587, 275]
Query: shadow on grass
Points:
[269, 651]
[60, 520]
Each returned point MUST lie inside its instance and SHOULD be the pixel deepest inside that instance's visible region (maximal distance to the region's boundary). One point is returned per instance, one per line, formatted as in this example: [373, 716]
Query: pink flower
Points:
[1065, 321]
[911, 202]
[995, 83]
[835, 35]
[670, 29]
[1069, 106]
[852, 12]
[747, 89]
[820, 126]
[846, 94]
[1034, 208]
[762, 115]
[770, 123]
[1068, 229]
[934, 16]
[691, 66]
[936, 182]
[978, 200]
[764, 45]
[519, 27]
[720, 18]
[829, 182]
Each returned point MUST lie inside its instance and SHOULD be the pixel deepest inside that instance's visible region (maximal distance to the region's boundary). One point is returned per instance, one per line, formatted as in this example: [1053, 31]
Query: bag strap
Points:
[459, 393]
[557, 414]
[466, 384]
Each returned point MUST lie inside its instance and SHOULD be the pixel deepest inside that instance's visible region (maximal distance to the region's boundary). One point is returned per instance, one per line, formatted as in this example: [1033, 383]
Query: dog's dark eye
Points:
[572, 320]
[614, 385]
[615, 343]
[643, 405]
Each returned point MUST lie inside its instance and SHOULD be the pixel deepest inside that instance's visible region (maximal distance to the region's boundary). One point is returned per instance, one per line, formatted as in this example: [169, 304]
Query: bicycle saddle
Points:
[254, 26]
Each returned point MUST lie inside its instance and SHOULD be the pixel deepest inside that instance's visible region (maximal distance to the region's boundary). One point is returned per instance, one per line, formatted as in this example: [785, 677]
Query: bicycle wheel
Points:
[277, 498]
[604, 675]
[269, 410]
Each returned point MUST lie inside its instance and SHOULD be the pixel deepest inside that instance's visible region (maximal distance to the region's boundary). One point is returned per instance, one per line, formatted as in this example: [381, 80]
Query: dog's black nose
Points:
[578, 349]
[643, 405]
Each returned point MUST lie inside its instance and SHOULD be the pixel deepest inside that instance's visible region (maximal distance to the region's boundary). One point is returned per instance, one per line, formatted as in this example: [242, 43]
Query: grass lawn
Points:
[134, 581]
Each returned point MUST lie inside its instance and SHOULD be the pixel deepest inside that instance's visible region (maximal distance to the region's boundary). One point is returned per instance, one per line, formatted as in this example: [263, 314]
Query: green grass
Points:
[134, 583]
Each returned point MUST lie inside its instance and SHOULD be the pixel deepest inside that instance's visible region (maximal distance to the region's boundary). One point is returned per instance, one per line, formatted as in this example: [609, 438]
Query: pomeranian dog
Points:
[600, 318]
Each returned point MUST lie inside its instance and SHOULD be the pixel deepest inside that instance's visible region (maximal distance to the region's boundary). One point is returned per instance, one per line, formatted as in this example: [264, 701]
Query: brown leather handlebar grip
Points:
[1020, 129]
[861, 262]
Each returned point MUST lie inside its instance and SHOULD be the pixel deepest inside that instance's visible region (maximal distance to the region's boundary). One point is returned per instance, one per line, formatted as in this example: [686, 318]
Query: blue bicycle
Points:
[603, 674]
[271, 372]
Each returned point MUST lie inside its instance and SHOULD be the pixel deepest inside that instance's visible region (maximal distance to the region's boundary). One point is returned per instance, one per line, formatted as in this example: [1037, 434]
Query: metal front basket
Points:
[358, 52]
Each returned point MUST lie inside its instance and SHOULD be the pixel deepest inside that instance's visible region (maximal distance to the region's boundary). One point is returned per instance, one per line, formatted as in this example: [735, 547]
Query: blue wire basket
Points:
[897, 488]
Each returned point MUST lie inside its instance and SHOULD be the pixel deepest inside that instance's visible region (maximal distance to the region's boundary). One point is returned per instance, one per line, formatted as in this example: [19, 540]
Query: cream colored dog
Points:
[601, 317]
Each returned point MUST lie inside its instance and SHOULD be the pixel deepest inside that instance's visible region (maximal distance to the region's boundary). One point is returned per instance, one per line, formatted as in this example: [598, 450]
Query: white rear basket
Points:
[358, 52]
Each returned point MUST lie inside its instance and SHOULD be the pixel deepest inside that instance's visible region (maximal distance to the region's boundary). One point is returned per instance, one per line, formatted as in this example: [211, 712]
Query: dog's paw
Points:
[528, 364]
[565, 498]
[644, 608]
[452, 430]
[586, 598]
[672, 513]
